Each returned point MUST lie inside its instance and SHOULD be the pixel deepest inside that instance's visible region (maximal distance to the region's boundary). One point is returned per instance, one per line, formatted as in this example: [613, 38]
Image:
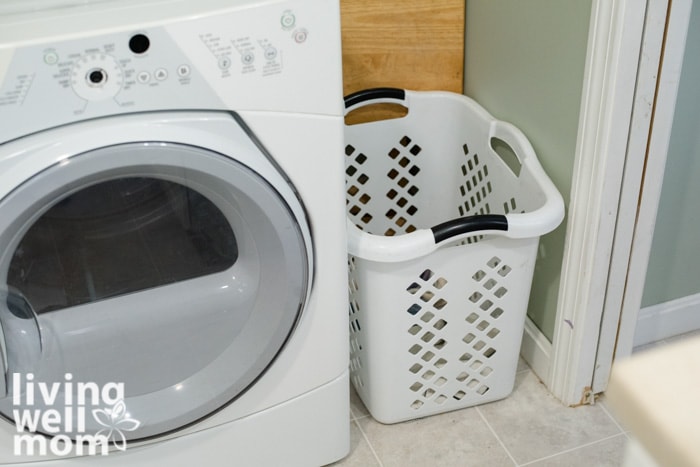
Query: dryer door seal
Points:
[172, 269]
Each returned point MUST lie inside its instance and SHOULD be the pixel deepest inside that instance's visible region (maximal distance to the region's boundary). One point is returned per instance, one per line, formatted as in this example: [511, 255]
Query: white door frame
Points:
[608, 241]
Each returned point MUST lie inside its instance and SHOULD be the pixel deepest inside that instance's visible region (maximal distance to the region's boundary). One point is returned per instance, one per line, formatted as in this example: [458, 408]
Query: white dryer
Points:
[172, 233]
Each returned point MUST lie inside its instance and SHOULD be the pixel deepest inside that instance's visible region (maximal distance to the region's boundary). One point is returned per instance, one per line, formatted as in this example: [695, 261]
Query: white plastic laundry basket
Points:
[445, 209]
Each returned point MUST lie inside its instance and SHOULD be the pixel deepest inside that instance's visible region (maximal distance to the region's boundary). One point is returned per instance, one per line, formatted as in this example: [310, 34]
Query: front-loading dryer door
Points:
[166, 274]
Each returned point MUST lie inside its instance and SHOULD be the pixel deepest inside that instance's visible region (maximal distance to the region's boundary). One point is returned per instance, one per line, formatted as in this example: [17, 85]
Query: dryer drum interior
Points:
[181, 277]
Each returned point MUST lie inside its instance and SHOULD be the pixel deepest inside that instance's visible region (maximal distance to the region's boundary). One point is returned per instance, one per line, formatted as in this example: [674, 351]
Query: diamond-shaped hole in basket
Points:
[428, 375]
[414, 309]
[459, 395]
[440, 363]
[469, 338]
[440, 399]
[482, 390]
[415, 368]
[504, 271]
[439, 324]
[426, 275]
[483, 325]
[494, 262]
[414, 349]
[471, 319]
[490, 352]
[440, 344]
[487, 370]
[500, 292]
[413, 288]
[495, 314]
[427, 296]
[427, 337]
[440, 283]
[475, 297]
[490, 284]
[415, 329]
[427, 316]
[417, 404]
[493, 332]
[428, 393]
[440, 304]
[465, 357]
[415, 387]
[462, 377]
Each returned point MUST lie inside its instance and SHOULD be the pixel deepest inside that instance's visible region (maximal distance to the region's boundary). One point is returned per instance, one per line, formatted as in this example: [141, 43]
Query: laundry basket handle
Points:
[464, 225]
[374, 96]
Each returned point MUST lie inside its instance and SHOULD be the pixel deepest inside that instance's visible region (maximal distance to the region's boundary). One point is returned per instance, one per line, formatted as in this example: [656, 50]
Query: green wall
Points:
[674, 263]
[524, 62]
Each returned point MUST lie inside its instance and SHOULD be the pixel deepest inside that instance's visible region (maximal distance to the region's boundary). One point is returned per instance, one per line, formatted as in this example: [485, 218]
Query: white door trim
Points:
[609, 81]
[665, 105]
[650, 61]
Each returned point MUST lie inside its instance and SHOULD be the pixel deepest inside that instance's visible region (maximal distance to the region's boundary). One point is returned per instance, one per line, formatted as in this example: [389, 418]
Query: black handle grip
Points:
[373, 94]
[463, 225]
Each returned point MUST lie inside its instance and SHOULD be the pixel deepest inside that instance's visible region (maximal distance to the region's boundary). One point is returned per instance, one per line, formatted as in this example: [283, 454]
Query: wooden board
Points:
[411, 44]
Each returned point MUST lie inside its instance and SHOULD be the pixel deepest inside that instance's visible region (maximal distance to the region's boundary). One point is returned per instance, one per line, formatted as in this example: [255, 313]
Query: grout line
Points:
[498, 438]
[593, 443]
[371, 448]
[612, 417]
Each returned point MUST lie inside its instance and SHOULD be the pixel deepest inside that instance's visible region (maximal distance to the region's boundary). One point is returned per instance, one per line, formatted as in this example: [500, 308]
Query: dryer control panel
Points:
[274, 57]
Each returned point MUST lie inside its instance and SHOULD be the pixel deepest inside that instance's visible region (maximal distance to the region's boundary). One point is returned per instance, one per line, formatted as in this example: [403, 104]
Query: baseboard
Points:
[536, 350]
[668, 319]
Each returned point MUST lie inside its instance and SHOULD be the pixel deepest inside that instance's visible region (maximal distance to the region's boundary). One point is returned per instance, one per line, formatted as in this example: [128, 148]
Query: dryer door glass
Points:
[176, 283]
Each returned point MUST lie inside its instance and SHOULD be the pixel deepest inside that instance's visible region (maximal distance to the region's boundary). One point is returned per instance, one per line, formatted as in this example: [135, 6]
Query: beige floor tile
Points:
[361, 454]
[532, 424]
[455, 439]
[606, 453]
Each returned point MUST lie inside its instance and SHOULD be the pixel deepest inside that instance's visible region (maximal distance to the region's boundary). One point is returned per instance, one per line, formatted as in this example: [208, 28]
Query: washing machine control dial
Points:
[96, 77]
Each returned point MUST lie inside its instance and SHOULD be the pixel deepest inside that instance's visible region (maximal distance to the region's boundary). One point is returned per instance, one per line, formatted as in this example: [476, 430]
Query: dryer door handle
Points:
[22, 337]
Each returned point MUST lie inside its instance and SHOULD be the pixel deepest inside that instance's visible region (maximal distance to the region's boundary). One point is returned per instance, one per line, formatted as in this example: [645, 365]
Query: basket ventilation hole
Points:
[349, 149]
[465, 357]
[405, 141]
[439, 324]
[440, 363]
[415, 368]
[427, 316]
[504, 271]
[413, 309]
[495, 314]
[428, 375]
[415, 329]
[416, 404]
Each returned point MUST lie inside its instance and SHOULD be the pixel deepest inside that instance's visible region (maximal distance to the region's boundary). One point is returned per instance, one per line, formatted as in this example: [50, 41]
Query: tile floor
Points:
[528, 428]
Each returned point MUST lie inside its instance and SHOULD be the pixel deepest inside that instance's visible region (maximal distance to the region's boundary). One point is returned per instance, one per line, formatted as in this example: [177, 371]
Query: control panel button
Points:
[143, 77]
[270, 53]
[183, 71]
[248, 58]
[300, 36]
[50, 58]
[161, 74]
[288, 20]
[224, 63]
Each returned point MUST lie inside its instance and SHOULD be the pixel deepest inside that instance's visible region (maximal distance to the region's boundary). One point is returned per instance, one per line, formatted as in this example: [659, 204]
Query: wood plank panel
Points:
[412, 44]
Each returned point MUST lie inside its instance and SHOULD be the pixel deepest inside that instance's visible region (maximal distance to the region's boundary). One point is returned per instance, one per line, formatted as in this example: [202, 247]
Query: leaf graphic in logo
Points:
[115, 421]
